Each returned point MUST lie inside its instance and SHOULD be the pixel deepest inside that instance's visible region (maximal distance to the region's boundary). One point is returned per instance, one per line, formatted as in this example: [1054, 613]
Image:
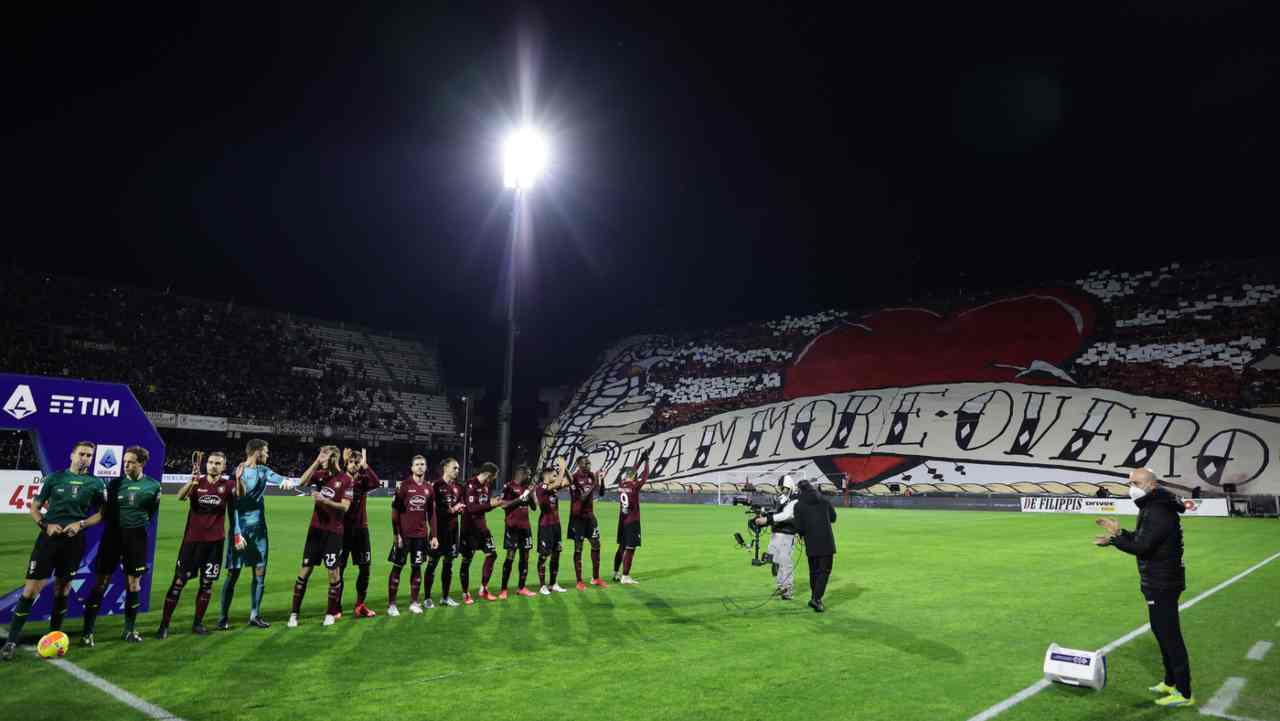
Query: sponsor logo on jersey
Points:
[327, 492]
[210, 500]
[417, 503]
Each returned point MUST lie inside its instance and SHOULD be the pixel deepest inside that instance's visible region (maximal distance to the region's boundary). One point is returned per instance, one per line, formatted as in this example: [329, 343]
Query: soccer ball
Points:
[53, 645]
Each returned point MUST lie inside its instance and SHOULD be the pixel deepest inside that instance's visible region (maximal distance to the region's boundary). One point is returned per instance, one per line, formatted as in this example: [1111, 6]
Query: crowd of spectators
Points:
[184, 355]
[1188, 332]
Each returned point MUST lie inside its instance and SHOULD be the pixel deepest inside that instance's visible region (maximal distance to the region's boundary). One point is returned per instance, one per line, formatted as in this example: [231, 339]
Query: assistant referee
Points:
[1157, 543]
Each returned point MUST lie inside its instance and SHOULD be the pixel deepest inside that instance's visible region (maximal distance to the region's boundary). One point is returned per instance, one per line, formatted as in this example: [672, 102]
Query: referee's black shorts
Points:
[122, 547]
[57, 555]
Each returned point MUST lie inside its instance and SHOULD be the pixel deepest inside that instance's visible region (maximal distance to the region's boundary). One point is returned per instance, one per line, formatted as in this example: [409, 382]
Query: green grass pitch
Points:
[932, 615]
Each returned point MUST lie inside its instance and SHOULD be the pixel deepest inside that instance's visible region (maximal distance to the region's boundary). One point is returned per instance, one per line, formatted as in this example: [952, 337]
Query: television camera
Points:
[757, 505]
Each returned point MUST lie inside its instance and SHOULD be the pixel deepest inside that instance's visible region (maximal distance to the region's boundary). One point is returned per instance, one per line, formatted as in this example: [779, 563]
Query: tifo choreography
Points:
[433, 519]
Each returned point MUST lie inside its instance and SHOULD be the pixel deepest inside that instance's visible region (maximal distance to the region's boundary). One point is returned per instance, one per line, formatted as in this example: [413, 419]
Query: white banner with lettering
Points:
[18, 489]
[202, 423]
[1082, 432]
[1116, 506]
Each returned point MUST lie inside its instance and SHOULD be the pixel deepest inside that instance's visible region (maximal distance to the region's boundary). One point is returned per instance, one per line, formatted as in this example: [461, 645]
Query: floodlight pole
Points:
[504, 410]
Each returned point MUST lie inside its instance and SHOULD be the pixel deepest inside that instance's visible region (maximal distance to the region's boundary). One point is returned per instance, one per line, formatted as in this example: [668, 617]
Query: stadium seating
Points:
[1189, 332]
[183, 355]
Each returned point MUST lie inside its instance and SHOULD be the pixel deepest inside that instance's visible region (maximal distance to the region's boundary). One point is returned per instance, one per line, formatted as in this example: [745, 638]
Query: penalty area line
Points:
[1042, 684]
[149, 709]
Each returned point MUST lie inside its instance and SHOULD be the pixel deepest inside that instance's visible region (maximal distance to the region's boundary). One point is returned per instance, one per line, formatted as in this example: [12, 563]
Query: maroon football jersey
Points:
[447, 495]
[366, 480]
[517, 514]
[548, 505]
[413, 503]
[629, 498]
[581, 493]
[476, 497]
[335, 487]
[210, 501]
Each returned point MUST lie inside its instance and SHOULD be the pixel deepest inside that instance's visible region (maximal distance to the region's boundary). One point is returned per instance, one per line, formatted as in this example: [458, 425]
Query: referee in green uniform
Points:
[67, 498]
[132, 501]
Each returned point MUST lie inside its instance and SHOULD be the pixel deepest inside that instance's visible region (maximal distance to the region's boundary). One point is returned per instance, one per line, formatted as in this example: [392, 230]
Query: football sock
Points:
[59, 610]
[19, 619]
[229, 591]
[393, 584]
[130, 610]
[203, 596]
[171, 601]
[299, 590]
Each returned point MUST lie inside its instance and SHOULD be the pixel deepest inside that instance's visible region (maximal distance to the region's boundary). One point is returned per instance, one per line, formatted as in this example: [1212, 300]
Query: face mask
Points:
[1135, 492]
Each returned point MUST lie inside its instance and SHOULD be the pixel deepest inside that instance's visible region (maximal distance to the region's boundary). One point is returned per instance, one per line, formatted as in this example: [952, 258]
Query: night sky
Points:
[711, 165]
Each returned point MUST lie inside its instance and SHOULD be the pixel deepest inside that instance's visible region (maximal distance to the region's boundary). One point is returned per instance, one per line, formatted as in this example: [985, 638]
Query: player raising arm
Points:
[68, 498]
[629, 519]
[411, 528]
[331, 491]
[516, 536]
[212, 497]
[355, 528]
[582, 520]
[249, 546]
[546, 494]
[475, 531]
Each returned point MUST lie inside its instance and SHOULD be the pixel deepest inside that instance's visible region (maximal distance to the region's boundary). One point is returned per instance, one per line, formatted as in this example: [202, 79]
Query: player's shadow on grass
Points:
[665, 612]
[668, 572]
[861, 630]
[842, 594]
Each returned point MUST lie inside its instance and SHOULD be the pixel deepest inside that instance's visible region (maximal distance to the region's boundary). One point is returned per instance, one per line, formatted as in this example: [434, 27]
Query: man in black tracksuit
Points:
[813, 518]
[1157, 543]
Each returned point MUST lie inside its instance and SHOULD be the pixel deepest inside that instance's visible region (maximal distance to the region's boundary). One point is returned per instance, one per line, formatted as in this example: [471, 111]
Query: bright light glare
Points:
[524, 156]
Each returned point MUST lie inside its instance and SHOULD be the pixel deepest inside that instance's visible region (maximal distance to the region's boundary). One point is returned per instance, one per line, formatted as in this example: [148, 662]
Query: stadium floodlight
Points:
[524, 157]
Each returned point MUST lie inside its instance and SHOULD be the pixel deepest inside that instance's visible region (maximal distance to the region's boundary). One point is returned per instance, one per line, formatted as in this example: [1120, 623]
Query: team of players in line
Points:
[434, 521]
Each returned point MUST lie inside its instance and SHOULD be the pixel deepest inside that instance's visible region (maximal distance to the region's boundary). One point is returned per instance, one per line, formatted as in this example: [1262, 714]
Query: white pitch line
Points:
[1042, 684]
[114, 691]
[1225, 696]
[1259, 651]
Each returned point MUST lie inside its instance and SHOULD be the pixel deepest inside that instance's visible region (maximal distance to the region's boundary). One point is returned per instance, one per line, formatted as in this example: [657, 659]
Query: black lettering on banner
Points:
[761, 421]
[1152, 439]
[629, 458]
[800, 432]
[970, 415]
[1216, 454]
[714, 433]
[671, 448]
[1083, 435]
[902, 419]
[849, 417]
[1032, 411]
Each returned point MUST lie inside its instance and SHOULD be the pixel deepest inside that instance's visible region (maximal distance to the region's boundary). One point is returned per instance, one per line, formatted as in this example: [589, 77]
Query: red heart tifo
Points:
[1022, 338]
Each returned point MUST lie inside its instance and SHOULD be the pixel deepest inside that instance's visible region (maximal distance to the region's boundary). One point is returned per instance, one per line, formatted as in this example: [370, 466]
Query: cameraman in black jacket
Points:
[1157, 543]
[813, 518]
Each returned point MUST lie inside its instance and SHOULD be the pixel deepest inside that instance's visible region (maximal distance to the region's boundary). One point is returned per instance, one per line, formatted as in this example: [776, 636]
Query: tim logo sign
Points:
[22, 403]
[56, 414]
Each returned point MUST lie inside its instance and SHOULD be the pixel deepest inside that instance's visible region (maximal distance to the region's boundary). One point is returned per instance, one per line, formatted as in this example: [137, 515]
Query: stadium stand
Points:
[183, 355]
[1198, 333]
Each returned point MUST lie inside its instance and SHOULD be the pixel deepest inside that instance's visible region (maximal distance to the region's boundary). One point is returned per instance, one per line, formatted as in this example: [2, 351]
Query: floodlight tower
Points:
[524, 157]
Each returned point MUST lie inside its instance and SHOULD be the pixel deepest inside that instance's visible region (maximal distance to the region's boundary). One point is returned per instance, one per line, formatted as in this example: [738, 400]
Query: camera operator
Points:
[783, 541]
[812, 515]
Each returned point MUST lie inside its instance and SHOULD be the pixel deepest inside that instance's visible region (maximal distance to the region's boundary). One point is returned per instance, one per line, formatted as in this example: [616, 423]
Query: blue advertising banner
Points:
[58, 413]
